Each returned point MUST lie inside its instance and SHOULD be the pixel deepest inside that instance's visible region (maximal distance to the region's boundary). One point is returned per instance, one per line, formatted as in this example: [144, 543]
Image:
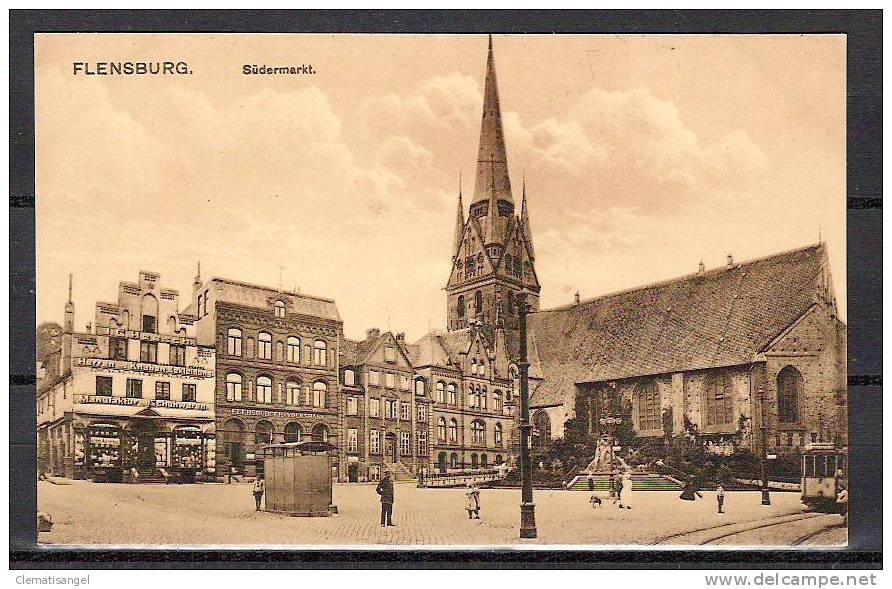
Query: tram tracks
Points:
[722, 533]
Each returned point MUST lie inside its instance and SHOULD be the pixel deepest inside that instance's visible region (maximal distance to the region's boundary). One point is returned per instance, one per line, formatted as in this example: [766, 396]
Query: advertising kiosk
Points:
[298, 479]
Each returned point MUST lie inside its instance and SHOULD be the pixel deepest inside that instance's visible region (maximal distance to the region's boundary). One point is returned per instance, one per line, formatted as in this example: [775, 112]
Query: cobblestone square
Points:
[219, 514]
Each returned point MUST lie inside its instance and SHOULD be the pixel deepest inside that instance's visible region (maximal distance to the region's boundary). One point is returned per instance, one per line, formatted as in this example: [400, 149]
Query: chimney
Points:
[701, 268]
[576, 297]
[730, 260]
[372, 333]
[196, 283]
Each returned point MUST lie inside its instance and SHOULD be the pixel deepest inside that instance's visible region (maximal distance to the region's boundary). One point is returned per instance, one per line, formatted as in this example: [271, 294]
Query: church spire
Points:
[492, 161]
[525, 220]
[459, 222]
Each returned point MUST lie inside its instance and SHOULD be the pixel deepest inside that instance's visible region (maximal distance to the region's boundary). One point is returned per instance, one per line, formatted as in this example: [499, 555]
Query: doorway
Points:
[353, 473]
[390, 447]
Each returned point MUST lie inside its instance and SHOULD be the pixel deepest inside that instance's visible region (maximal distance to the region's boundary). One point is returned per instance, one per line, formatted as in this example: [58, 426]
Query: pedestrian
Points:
[720, 496]
[626, 493]
[617, 483]
[690, 492]
[842, 504]
[472, 503]
[385, 490]
[591, 482]
[259, 489]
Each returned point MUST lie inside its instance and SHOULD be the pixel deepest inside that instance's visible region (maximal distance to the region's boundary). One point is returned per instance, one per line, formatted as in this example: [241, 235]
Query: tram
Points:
[824, 473]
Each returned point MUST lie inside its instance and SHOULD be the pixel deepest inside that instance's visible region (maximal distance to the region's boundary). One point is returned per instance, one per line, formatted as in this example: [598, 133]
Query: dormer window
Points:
[280, 309]
[389, 354]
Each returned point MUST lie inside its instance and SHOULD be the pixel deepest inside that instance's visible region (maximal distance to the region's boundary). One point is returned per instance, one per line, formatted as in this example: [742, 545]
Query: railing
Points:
[460, 478]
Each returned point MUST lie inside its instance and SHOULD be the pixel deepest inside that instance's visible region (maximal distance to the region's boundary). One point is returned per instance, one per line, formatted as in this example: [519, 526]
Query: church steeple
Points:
[459, 222]
[492, 161]
[525, 221]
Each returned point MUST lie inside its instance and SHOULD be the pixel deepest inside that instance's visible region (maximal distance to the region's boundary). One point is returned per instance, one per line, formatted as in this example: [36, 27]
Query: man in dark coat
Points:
[385, 489]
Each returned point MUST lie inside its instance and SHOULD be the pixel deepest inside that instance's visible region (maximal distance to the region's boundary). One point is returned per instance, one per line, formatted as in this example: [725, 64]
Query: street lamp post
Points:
[527, 507]
[766, 496]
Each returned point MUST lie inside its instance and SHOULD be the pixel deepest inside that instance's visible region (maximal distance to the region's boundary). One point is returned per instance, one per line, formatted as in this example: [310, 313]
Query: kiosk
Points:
[298, 479]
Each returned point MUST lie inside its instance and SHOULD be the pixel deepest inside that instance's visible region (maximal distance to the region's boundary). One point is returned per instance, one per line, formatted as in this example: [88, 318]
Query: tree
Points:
[49, 339]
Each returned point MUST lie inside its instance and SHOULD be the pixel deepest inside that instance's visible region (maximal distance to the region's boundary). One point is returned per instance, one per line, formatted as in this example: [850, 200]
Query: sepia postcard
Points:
[431, 291]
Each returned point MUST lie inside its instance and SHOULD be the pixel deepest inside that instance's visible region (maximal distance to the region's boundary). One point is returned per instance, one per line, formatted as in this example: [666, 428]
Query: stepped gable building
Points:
[701, 349]
[132, 395]
[276, 367]
[473, 398]
[387, 417]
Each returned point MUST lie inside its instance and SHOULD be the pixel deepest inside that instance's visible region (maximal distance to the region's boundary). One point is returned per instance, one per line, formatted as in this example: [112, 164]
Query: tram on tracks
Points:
[824, 473]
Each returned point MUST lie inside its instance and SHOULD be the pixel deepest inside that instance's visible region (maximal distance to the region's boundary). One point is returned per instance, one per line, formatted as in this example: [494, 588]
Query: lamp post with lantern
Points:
[527, 507]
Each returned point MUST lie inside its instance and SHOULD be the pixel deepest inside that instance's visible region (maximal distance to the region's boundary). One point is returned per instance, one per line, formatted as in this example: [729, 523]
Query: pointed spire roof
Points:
[525, 220]
[459, 222]
[492, 161]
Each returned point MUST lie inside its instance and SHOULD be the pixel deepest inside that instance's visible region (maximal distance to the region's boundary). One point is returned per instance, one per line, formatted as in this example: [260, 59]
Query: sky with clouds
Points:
[642, 155]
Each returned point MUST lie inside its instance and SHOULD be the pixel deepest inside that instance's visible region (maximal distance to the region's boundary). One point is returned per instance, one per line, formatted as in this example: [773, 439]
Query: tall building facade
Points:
[276, 367]
[131, 396]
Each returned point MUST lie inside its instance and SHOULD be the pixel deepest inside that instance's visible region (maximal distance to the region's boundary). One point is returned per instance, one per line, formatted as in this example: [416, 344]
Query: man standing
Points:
[385, 489]
[259, 489]
[720, 496]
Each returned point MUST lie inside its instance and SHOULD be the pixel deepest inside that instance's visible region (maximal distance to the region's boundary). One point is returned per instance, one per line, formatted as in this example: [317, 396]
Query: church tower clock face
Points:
[492, 257]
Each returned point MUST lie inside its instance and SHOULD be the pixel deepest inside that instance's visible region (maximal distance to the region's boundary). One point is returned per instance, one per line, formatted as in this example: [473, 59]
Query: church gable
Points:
[471, 260]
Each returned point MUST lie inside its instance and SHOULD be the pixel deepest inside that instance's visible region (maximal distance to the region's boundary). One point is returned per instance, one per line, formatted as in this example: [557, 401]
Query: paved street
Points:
[216, 514]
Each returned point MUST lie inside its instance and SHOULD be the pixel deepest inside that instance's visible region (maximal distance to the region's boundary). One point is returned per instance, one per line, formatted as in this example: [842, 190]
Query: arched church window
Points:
[719, 405]
[461, 306]
[789, 389]
[478, 302]
[648, 400]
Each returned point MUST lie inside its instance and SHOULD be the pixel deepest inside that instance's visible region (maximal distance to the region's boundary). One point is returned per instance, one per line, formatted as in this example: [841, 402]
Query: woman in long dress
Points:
[627, 495]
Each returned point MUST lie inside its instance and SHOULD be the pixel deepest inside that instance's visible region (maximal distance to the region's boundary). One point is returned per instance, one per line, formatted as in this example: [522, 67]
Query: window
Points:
[134, 388]
[648, 401]
[148, 352]
[478, 432]
[453, 460]
[453, 430]
[264, 346]
[406, 410]
[233, 386]
[280, 309]
[419, 387]
[474, 461]
[319, 391]
[234, 342]
[484, 460]
[497, 435]
[375, 441]
[352, 440]
[481, 369]
[352, 406]
[542, 429]
[292, 432]
[189, 393]
[292, 350]
[422, 412]
[789, 389]
[162, 391]
[205, 303]
[422, 442]
[264, 389]
[117, 348]
[719, 405]
[319, 433]
[404, 384]
[177, 355]
[319, 353]
[389, 354]
[461, 307]
[478, 302]
[374, 377]
[405, 443]
[349, 377]
[452, 393]
[149, 324]
[390, 409]
[263, 433]
[441, 392]
[497, 401]
[374, 407]
[472, 396]
[441, 429]
[389, 380]
[104, 386]
[482, 399]
[292, 392]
